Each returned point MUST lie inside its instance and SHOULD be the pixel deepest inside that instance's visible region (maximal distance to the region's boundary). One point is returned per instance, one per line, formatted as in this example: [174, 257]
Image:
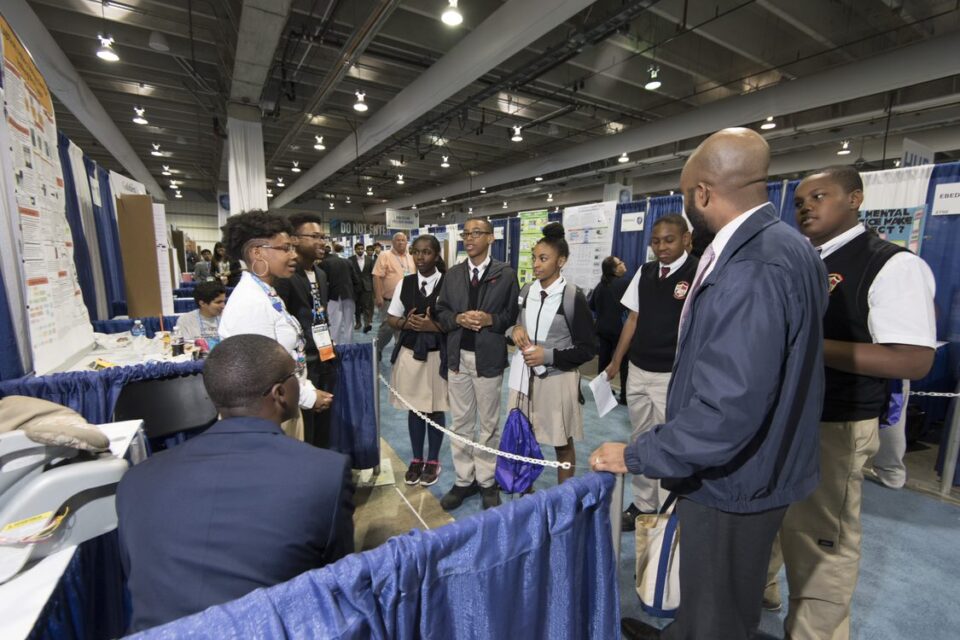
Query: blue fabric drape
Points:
[353, 422]
[787, 212]
[513, 232]
[151, 325]
[10, 364]
[81, 253]
[93, 394]
[109, 236]
[629, 246]
[499, 248]
[183, 305]
[90, 602]
[188, 285]
[540, 567]
[775, 193]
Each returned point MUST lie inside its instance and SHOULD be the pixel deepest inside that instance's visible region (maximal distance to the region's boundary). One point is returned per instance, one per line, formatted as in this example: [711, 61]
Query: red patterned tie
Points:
[476, 277]
[664, 272]
[705, 261]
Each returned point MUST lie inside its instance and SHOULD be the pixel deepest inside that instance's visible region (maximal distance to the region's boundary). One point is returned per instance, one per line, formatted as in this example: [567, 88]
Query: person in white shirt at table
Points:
[204, 321]
[263, 241]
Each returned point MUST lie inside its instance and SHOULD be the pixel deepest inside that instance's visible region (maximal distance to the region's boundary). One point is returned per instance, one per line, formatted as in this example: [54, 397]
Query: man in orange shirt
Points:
[391, 267]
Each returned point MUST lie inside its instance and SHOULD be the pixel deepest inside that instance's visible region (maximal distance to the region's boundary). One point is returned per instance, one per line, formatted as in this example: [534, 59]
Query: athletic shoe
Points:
[367, 328]
[431, 473]
[629, 519]
[414, 471]
[455, 497]
[491, 496]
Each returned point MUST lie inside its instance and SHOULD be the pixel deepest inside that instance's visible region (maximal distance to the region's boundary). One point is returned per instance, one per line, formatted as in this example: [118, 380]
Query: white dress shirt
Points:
[546, 311]
[900, 298]
[723, 236]
[396, 305]
[631, 297]
[481, 268]
[249, 310]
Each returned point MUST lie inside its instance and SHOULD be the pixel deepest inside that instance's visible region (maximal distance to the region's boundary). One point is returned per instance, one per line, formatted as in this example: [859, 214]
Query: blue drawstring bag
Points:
[514, 476]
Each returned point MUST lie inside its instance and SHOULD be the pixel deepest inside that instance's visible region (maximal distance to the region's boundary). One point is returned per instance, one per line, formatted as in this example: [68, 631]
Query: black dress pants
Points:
[316, 425]
[723, 571]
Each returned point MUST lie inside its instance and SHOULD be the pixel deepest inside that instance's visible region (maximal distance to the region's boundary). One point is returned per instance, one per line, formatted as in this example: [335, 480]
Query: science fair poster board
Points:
[531, 230]
[59, 325]
[589, 230]
[895, 204]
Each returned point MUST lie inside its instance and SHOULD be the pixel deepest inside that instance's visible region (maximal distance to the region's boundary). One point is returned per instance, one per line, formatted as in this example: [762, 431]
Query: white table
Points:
[23, 598]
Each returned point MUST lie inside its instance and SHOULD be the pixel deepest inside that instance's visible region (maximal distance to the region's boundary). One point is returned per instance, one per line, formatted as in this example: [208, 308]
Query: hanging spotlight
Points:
[156, 150]
[445, 164]
[653, 83]
[296, 167]
[178, 195]
[443, 214]
[369, 191]
[414, 207]
[504, 206]
[896, 163]
[139, 119]
[768, 124]
[399, 178]
[549, 197]
[280, 182]
[269, 193]
[360, 105]
[348, 199]
[517, 136]
[538, 179]
[623, 158]
[443, 200]
[452, 16]
[174, 183]
[166, 170]
[332, 207]
[844, 148]
[470, 210]
[483, 189]
[106, 52]
[319, 146]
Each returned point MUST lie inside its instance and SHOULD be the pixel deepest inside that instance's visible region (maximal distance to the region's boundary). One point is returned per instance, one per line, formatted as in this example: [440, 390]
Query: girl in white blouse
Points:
[263, 241]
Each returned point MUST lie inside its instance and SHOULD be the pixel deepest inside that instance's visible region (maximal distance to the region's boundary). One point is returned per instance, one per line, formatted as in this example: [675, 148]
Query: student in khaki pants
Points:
[879, 325]
[476, 306]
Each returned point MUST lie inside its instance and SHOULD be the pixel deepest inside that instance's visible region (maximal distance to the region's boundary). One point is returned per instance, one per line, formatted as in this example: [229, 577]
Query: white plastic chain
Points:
[471, 443]
[935, 394]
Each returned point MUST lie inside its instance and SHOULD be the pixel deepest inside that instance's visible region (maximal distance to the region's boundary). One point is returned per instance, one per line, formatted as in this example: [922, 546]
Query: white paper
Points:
[946, 201]
[603, 394]
[519, 379]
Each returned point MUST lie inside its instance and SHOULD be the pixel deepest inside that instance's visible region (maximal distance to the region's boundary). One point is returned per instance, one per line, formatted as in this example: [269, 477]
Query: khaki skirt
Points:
[555, 411]
[419, 382]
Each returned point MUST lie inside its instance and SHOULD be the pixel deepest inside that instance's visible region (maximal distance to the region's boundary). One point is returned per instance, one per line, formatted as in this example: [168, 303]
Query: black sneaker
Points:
[629, 520]
[491, 496]
[367, 328]
[414, 472]
[431, 473]
[455, 497]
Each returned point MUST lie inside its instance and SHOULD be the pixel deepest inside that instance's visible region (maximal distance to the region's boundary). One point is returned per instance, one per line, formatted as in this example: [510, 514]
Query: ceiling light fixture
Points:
[156, 149]
[296, 167]
[538, 179]
[549, 197]
[369, 191]
[280, 182]
[269, 193]
[399, 178]
[332, 206]
[844, 148]
[443, 214]
[653, 83]
[445, 164]
[348, 200]
[483, 189]
[178, 194]
[451, 15]
[623, 158]
[768, 124]
[319, 146]
[139, 119]
[504, 206]
[106, 52]
[414, 207]
[360, 105]
[470, 210]
[517, 136]
[443, 200]
[166, 170]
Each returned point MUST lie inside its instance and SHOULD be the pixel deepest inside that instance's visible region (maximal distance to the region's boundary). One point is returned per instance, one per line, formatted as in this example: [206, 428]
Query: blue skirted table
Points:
[151, 325]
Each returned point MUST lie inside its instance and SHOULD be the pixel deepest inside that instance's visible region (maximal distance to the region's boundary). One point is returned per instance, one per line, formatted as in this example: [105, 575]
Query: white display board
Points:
[397, 219]
[161, 232]
[59, 326]
[589, 230]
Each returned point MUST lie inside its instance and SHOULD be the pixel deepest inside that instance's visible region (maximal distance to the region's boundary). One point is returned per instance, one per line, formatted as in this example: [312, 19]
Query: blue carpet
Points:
[911, 542]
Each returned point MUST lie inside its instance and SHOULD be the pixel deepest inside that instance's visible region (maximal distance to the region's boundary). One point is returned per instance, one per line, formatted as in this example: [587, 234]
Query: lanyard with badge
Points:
[277, 304]
[321, 328]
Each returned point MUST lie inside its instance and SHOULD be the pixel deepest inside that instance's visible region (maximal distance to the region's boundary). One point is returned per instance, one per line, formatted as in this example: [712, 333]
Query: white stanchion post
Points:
[953, 449]
[616, 510]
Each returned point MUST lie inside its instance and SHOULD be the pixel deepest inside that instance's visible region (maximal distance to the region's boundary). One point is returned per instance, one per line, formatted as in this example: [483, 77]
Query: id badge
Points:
[321, 337]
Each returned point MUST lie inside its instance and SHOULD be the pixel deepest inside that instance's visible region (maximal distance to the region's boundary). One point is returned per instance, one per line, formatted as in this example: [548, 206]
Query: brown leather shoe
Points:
[634, 629]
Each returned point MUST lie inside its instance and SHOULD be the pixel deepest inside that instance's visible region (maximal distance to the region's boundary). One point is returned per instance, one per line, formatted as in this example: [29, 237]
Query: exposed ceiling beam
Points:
[261, 25]
[788, 15]
[928, 60]
[506, 32]
[65, 82]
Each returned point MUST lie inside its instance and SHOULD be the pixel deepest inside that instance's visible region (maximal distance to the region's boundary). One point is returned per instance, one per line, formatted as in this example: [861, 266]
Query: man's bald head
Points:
[725, 176]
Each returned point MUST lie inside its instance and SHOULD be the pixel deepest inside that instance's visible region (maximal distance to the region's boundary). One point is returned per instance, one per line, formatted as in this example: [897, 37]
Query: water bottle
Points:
[176, 342]
[137, 330]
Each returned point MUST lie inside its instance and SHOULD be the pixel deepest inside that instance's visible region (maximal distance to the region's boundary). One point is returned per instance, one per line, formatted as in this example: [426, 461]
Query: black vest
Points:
[654, 344]
[851, 270]
[411, 298]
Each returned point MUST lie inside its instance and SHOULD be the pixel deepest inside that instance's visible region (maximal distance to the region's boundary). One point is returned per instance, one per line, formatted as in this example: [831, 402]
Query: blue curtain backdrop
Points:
[93, 394]
[108, 235]
[151, 325]
[540, 567]
[513, 233]
[81, 254]
[10, 364]
[629, 246]
[353, 422]
[787, 212]
[499, 248]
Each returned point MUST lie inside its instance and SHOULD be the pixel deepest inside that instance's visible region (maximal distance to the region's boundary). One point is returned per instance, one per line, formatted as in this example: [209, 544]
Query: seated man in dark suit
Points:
[238, 507]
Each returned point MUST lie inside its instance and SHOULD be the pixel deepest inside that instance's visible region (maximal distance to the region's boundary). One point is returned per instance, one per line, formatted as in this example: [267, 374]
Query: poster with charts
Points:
[531, 230]
[57, 318]
[589, 231]
[895, 204]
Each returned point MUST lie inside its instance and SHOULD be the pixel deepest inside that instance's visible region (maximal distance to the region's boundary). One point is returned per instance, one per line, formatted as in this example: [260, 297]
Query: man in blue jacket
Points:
[740, 441]
[238, 507]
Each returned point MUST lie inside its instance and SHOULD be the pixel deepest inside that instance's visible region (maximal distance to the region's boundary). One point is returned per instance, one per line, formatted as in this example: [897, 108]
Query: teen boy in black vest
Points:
[655, 299]
[879, 325]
